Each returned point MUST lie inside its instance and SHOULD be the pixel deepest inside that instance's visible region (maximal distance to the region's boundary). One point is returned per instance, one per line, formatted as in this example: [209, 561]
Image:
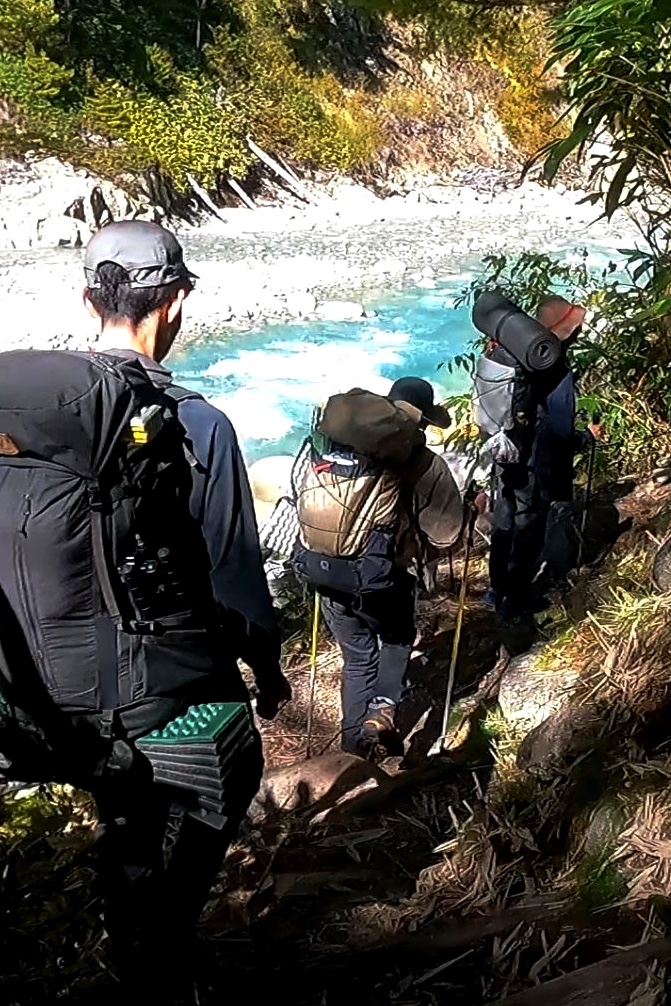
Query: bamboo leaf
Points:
[614, 194]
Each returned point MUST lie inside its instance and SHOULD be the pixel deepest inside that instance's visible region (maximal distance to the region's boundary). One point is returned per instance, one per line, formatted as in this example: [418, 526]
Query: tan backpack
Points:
[348, 492]
[339, 505]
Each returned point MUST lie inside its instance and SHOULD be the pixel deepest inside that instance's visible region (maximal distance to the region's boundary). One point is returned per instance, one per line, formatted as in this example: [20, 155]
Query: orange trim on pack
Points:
[564, 316]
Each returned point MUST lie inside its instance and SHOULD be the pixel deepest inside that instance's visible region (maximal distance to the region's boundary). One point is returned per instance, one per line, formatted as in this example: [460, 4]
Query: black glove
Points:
[271, 697]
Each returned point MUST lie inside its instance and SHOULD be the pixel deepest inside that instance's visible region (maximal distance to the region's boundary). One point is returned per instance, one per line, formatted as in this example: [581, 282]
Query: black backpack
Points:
[104, 573]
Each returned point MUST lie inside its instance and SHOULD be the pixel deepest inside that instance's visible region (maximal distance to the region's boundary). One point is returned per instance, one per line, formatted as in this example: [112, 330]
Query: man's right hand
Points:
[271, 697]
[598, 430]
[481, 502]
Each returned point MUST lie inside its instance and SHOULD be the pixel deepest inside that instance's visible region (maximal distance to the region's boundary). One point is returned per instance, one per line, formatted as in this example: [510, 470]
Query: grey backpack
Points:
[505, 407]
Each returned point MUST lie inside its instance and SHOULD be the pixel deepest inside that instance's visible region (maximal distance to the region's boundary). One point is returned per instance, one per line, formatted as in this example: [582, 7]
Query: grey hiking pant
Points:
[375, 633]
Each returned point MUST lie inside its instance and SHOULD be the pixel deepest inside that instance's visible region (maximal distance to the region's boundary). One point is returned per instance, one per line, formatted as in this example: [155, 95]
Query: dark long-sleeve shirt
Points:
[557, 442]
[222, 502]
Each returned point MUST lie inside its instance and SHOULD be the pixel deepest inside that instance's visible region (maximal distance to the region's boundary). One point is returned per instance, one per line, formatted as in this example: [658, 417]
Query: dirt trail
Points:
[461, 878]
[434, 890]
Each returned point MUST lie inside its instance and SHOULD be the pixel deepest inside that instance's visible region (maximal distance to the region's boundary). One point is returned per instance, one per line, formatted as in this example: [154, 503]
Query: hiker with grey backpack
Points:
[131, 582]
[525, 408]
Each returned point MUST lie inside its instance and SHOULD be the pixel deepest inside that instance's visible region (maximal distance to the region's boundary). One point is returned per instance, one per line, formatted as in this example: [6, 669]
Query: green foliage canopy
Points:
[617, 66]
[178, 84]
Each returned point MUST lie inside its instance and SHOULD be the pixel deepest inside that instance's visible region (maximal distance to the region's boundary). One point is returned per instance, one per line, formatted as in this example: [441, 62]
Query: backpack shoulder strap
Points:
[179, 394]
[198, 472]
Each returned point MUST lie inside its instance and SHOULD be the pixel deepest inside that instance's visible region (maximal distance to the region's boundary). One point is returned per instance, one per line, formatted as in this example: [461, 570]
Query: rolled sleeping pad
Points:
[532, 345]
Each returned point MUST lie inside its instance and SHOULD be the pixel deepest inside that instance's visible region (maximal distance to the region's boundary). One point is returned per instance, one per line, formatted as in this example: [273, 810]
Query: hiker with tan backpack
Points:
[375, 507]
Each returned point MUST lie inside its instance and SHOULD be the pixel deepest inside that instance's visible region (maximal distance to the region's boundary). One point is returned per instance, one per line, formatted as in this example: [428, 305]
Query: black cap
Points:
[150, 254]
[419, 393]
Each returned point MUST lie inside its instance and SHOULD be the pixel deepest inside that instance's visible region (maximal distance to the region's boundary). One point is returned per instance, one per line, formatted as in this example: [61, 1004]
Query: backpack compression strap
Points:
[100, 557]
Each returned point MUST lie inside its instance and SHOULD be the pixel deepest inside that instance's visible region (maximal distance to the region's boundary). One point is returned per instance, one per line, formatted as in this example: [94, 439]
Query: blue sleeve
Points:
[559, 418]
[222, 501]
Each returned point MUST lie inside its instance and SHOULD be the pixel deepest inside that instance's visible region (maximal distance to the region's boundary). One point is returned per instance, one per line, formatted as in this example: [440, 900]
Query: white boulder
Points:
[300, 305]
[58, 232]
[529, 694]
[269, 478]
[341, 310]
[389, 267]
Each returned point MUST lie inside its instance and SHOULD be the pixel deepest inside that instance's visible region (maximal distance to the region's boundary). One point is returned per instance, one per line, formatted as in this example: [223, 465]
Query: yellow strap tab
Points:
[144, 427]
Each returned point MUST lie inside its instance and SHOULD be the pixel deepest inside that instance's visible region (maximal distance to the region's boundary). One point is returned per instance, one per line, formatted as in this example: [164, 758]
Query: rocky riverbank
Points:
[324, 259]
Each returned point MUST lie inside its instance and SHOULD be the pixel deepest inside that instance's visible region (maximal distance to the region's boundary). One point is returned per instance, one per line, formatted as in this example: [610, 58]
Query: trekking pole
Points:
[588, 495]
[313, 672]
[440, 743]
[452, 579]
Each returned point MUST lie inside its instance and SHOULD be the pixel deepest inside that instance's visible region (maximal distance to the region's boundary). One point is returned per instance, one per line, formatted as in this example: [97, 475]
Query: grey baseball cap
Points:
[150, 254]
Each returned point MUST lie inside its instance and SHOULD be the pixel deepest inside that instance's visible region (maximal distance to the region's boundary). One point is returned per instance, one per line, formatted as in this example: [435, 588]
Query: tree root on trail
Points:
[606, 983]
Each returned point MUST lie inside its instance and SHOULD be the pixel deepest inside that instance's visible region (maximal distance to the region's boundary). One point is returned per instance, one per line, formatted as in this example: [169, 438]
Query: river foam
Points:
[269, 379]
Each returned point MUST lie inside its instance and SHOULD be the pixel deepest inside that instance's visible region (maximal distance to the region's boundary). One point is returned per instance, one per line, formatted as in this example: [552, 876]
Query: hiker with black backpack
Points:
[525, 406]
[375, 507]
[131, 571]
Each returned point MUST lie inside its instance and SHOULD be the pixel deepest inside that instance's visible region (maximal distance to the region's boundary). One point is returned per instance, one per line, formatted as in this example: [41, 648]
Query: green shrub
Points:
[32, 81]
[192, 131]
[27, 23]
[311, 117]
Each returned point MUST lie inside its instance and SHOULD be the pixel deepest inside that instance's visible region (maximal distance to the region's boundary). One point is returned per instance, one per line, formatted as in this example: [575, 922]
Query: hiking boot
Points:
[378, 731]
[534, 605]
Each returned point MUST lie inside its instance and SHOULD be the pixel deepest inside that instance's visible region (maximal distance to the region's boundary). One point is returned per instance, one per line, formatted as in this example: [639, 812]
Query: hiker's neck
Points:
[143, 338]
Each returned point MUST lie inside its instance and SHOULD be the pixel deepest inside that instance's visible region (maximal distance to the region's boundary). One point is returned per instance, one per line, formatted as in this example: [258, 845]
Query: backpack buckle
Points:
[145, 628]
[107, 724]
[95, 498]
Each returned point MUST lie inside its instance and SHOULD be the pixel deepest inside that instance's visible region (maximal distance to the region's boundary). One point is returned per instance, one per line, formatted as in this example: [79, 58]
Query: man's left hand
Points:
[598, 430]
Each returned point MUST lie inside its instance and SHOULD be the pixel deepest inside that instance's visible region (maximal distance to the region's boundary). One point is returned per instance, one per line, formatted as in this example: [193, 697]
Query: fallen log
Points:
[241, 194]
[204, 197]
[607, 983]
[453, 934]
[287, 167]
[300, 189]
[456, 934]
[316, 786]
[383, 798]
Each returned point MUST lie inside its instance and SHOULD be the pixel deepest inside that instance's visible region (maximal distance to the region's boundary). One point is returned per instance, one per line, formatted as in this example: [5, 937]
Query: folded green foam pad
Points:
[205, 778]
[205, 725]
[197, 751]
[198, 754]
